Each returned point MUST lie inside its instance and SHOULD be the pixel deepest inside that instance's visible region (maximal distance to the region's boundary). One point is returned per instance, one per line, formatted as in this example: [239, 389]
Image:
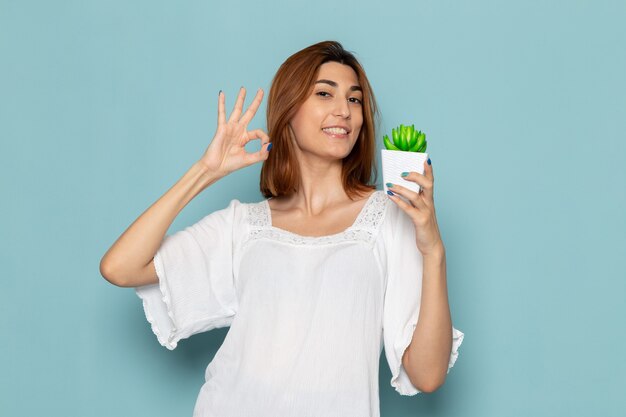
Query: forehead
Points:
[339, 73]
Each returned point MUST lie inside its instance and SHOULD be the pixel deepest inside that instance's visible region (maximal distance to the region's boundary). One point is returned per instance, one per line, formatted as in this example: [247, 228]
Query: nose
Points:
[342, 109]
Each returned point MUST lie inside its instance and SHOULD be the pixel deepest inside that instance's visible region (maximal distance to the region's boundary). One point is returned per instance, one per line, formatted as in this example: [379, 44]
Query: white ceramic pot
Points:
[397, 162]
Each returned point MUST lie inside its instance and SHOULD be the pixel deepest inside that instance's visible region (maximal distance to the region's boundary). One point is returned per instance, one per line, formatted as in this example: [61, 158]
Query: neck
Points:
[320, 184]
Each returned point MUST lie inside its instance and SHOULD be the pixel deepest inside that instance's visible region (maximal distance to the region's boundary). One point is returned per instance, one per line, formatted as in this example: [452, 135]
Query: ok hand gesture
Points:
[226, 152]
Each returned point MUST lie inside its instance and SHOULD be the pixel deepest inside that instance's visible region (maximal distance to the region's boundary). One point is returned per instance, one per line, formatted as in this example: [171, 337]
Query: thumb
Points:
[265, 150]
[261, 155]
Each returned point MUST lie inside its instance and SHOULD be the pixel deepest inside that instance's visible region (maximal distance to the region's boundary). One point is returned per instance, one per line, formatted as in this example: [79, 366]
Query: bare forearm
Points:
[136, 247]
[427, 357]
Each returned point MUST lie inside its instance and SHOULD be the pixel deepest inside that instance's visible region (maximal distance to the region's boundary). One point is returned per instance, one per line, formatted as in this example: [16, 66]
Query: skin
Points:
[322, 207]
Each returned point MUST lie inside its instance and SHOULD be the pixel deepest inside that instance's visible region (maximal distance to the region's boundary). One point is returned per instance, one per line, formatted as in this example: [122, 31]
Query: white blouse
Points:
[308, 316]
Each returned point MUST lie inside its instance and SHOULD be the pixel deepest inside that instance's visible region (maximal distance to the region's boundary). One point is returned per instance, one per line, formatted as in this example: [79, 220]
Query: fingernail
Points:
[429, 161]
[389, 185]
[404, 174]
[390, 192]
[218, 94]
[269, 147]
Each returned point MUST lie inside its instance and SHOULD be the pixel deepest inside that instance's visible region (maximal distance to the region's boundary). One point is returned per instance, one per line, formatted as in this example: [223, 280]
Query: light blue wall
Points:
[104, 105]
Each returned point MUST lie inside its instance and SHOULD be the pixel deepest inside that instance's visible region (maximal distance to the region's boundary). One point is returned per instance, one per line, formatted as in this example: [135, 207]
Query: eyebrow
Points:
[334, 84]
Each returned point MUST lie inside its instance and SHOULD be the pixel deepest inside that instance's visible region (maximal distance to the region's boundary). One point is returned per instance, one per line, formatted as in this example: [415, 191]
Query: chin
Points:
[343, 154]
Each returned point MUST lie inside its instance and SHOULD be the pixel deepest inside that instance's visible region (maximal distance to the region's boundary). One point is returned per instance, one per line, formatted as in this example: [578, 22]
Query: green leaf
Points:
[420, 141]
[395, 135]
[388, 144]
[404, 140]
[412, 139]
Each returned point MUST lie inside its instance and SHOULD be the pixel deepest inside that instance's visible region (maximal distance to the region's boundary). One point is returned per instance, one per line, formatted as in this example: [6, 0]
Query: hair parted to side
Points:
[291, 86]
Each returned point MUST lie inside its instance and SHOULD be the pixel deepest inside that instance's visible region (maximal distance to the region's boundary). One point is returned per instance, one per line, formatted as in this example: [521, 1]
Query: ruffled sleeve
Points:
[196, 289]
[403, 296]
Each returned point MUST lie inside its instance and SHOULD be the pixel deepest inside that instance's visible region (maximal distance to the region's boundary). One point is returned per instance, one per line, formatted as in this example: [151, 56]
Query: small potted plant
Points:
[406, 151]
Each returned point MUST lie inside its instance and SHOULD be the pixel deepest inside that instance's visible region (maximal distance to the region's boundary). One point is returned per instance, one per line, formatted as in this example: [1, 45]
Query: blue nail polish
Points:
[389, 185]
[404, 174]
[269, 147]
[218, 94]
[390, 192]
[429, 161]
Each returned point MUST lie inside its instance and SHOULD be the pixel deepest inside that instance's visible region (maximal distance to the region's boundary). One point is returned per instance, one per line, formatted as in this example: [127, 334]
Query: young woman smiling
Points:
[314, 280]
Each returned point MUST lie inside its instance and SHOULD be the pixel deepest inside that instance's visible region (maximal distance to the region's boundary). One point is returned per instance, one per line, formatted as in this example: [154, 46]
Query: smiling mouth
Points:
[336, 133]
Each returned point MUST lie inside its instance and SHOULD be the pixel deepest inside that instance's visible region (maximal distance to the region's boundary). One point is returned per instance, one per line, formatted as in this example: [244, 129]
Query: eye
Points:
[326, 94]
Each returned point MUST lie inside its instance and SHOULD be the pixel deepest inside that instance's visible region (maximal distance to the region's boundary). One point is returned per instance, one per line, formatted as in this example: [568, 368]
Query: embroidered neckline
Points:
[364, 227]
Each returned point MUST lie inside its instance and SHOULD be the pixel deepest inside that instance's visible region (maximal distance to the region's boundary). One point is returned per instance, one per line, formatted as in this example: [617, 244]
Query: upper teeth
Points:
[337, 130]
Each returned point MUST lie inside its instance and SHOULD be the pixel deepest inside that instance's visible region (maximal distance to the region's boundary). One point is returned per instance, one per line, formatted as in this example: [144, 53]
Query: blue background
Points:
[105, 105]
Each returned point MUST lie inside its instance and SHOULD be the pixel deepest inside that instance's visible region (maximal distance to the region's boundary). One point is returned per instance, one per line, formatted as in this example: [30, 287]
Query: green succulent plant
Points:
[406, 138]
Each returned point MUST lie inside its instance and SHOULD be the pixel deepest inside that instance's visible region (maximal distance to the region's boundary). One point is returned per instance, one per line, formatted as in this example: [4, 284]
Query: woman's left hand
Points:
[421, 210]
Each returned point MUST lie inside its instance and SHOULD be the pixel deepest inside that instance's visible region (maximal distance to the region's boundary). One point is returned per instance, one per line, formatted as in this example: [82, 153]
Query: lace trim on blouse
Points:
[363, 229]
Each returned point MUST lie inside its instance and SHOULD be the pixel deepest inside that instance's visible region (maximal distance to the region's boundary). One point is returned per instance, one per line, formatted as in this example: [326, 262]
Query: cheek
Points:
[358, 117]
[309, 118]
[358, 124]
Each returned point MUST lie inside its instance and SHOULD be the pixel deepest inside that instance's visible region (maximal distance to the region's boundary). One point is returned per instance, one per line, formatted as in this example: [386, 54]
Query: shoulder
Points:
[233, 213]
[395, 220]
[233, 208]
[376, 212]
[382, 203]
[249, 214]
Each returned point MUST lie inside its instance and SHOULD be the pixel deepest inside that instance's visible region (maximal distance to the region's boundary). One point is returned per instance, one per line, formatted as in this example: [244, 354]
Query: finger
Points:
[406, 207]
[249, 114]
[234, 116]
[258, 134]
[425, 183]
[261, 155]
[428, 173]
[416, 199]
[221, 114]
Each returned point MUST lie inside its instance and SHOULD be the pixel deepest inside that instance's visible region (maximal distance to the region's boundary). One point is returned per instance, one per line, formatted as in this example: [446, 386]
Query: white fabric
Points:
[308, 316]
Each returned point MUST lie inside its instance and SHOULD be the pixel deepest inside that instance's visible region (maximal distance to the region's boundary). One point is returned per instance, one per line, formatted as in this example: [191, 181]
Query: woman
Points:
[314, 280]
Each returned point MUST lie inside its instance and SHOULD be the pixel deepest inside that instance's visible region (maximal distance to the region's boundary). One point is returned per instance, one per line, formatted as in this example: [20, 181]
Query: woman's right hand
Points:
[226, 152]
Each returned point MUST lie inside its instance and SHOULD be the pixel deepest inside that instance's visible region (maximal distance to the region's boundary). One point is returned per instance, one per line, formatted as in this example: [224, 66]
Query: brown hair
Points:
[291, 86]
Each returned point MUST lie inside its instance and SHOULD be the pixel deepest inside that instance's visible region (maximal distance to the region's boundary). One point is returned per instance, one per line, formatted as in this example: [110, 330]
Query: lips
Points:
[337, 127]
[335, 133]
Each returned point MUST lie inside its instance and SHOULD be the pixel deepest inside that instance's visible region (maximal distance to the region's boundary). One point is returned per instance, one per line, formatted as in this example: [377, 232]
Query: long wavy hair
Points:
[291, 86]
